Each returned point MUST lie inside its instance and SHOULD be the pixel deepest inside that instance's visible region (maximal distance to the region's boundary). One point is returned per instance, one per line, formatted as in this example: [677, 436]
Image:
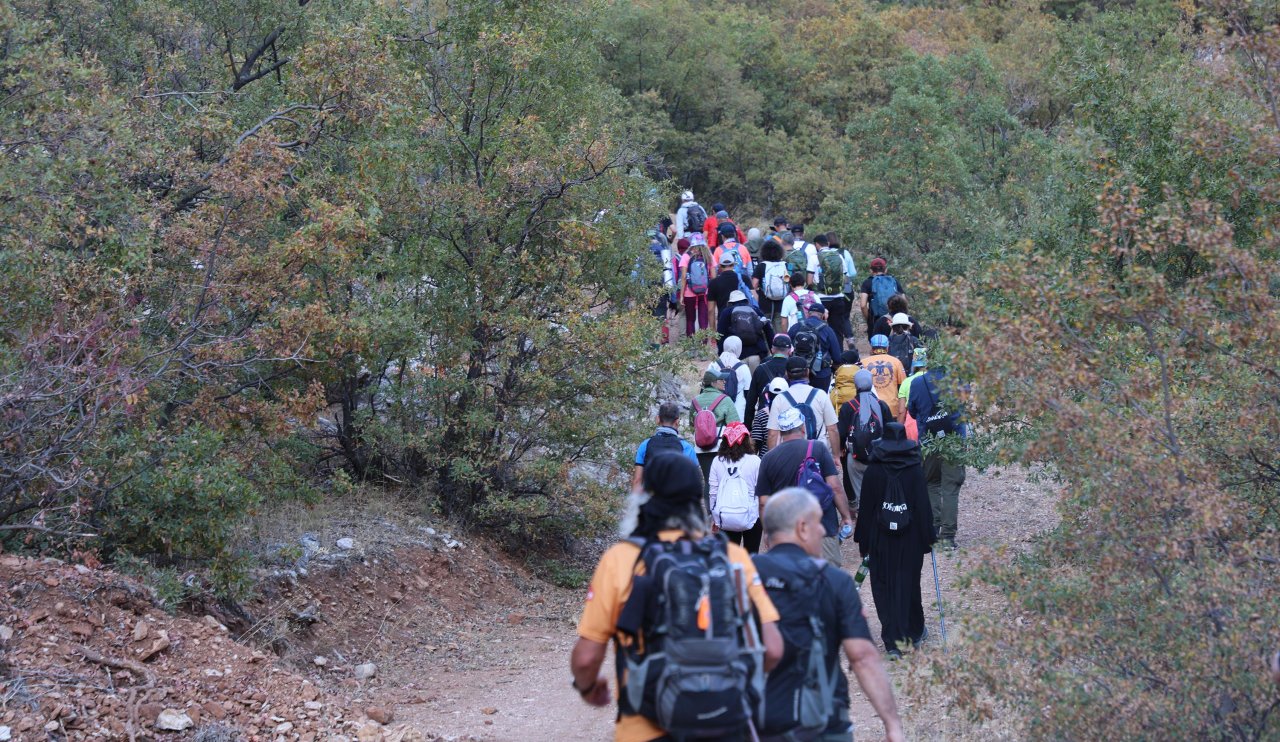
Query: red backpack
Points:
[705, 430]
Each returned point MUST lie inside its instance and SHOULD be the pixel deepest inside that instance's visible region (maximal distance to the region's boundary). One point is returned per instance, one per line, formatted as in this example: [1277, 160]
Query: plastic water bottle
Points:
[863, 570]
[845, 532]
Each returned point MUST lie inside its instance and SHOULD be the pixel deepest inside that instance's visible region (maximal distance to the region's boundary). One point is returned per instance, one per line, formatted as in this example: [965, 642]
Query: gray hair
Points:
[786, 507]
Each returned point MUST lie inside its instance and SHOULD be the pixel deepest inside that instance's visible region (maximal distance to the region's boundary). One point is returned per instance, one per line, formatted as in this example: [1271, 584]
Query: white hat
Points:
[900, 319]
[790, 419]
[736, 295]
[778, 385]
[686, 196]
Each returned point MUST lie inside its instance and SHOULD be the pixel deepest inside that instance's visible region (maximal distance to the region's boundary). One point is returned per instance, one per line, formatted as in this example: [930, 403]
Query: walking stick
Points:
[937, 586]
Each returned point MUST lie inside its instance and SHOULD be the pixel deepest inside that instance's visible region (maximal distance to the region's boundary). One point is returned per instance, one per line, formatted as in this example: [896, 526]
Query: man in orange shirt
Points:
[887, 374]
[670, 510]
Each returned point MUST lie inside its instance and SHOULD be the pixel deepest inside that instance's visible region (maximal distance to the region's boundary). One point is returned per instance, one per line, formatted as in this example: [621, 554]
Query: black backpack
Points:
[860, 437]
[746, 324]
[695, 217]
[806, 411]
[731, 383]
[693, 667]
[808, 345]
[662, 443]
[903, 348]
[894, 516]
[799, 692]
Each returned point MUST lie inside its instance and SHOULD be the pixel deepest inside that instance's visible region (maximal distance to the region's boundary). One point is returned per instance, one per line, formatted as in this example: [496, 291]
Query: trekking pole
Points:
[937, 586]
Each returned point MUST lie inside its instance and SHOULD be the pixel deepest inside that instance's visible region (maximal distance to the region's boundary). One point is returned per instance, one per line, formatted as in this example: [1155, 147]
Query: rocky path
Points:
[514, 682]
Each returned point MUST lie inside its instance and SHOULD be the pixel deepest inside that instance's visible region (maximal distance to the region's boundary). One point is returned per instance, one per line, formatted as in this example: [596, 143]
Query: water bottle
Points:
[845, 532]
[863, 570]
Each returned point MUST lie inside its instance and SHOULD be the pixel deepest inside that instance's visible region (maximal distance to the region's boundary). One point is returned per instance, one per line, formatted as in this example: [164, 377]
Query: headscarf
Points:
[732, 348]
[867, 399]
[674, 486]
[735, 432]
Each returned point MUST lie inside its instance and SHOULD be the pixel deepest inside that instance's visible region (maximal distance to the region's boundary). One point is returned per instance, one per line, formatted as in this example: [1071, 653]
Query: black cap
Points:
[796, 363]
[818, 307]
[727, 230]
[797, 229]
[779, 221]
[781, 341]
[717, 207]
[673, 477]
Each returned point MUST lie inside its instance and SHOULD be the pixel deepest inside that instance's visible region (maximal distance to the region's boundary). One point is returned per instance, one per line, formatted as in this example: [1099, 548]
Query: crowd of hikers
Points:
[726, 601]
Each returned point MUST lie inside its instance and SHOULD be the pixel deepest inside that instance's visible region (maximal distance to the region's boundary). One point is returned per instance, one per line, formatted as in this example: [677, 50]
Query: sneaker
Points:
[924, 636]
[947, 544]
[894, 655]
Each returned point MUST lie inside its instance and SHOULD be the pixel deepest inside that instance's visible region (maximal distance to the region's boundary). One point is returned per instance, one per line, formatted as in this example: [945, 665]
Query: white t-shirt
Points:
[821, 404]
[743, 373]
[811, 255]
[748, 468]
[790, 309]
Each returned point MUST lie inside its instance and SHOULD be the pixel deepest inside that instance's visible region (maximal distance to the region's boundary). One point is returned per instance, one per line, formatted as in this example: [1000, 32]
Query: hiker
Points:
[860, 422]
[780, 227]
[795, 461]
[710, 410]
[887, 373]
[944, 476]
[710, 227]
[875, 292]
[773, 367]
[919, 364]
[760, 422]
[842, 312]
[666, 439]
[725, 283]
[897, 305]
[804, 588]
[732, 246]
[815, 341]
[720, 226]
[902, 344]
[744, 322]
[738, 378]
[895, 527]
[695, 281]
[813, 404]
[771, 280]
[831, 285]
[798, 258]
[796, 302]
[810, 252]
[622, 606]
[732, 485]
[843, 391]
[690, 219]
[661, 250]
[755, 240]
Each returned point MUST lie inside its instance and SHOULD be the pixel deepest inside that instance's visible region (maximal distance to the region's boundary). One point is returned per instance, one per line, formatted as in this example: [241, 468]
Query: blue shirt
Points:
[686, 446]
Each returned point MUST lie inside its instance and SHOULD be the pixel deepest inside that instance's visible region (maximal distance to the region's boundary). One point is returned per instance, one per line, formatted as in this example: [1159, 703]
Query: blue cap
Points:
[879, 341]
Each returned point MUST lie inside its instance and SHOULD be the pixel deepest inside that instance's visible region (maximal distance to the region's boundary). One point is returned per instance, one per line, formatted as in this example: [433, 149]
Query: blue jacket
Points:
[924, 402]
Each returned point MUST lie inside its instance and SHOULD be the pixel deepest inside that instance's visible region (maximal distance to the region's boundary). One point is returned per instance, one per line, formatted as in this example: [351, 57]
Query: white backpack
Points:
[776, 282]
[736, 509]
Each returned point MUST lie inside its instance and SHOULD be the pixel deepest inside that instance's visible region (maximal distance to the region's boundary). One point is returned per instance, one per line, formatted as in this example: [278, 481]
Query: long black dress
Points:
[896, 559]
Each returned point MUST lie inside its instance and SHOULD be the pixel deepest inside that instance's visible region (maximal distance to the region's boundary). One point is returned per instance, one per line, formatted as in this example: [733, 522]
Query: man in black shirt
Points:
[775, 366]
[791, 573]
[779, 468]
[725, 283]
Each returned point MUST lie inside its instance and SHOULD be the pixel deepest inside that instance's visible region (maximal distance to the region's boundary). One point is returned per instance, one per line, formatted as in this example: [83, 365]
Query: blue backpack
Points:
[883, 286]
[809, 476]
[805, 408]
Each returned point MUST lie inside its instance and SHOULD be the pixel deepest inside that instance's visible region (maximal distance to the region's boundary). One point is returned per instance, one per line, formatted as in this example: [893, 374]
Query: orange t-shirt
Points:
[610, 588]
[887, 375]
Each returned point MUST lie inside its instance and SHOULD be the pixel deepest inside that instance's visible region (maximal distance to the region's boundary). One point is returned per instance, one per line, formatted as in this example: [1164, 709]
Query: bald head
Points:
[787, 508]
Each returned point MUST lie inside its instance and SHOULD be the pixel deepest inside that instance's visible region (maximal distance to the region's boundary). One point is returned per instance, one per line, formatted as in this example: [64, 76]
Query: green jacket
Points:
[726, 413]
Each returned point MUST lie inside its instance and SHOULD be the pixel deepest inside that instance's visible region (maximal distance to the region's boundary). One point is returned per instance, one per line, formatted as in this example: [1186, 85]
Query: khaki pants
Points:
[831, 550]
[944, 481]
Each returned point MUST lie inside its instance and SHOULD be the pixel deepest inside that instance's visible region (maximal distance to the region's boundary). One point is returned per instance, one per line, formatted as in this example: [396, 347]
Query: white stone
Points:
[366, 671]
[346, 544]
[172, 720]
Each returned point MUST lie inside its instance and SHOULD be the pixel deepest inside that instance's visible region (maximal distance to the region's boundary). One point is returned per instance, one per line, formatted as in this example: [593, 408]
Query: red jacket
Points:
[710, 231]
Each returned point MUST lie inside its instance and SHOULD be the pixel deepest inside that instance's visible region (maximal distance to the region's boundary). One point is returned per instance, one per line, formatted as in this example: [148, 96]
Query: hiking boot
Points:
[924, 636]
[947, 544]
[894, 655]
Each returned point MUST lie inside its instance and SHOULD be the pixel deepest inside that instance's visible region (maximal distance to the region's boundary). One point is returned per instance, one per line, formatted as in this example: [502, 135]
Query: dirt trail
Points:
[515, 683]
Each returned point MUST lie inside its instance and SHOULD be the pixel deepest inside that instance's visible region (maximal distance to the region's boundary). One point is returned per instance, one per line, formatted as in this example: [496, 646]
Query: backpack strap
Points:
[808, 453]
[716, 403]
[790, 398]
[696, 407]
[812, 393]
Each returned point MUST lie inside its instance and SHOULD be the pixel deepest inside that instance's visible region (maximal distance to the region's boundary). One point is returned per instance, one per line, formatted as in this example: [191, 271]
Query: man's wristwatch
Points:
[573, 682]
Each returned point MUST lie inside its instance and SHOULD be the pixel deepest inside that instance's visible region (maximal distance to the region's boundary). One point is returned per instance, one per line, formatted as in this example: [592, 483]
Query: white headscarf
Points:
[867, 399]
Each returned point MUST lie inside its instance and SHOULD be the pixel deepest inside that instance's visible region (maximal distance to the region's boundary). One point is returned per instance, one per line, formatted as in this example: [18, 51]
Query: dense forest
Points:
[254, 251]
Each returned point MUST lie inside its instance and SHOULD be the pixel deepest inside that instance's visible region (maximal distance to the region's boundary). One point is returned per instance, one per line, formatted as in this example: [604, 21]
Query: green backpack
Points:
[832, 281]
[797, 260]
